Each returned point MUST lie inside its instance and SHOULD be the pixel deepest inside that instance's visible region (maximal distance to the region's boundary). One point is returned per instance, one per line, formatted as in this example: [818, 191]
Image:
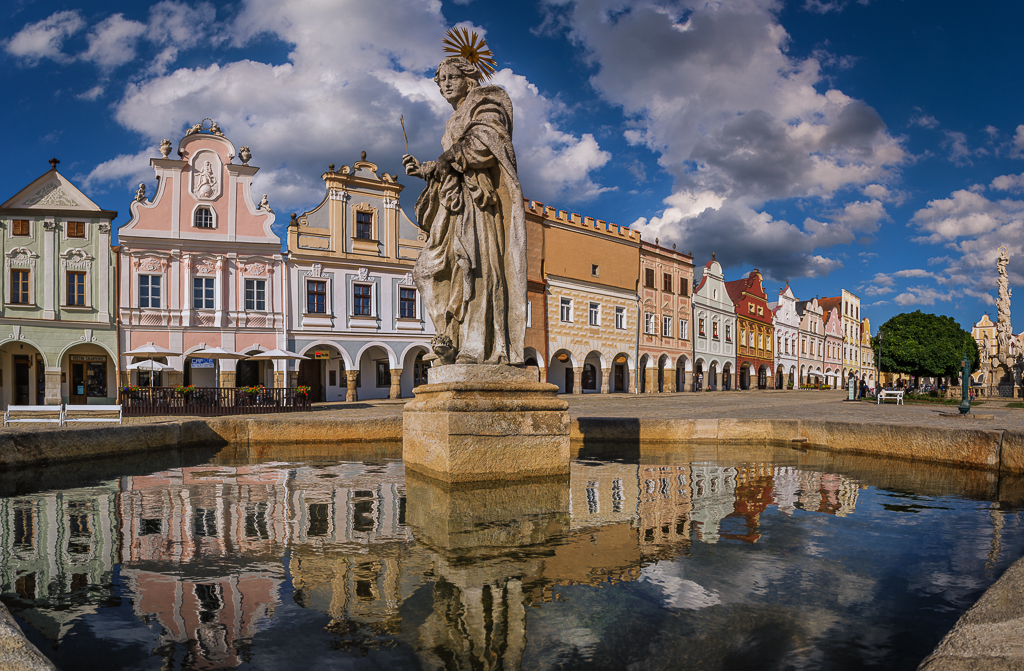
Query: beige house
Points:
[587, 287]
[984, 333]
[666, 348]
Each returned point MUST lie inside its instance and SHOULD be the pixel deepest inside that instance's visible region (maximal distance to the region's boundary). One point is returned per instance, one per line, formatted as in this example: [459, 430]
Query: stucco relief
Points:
[206, 172]
[51, 195]
[254, 269]
[317, 271]
[204, 267]
[76, 259]
[151, 264]
[19, 257]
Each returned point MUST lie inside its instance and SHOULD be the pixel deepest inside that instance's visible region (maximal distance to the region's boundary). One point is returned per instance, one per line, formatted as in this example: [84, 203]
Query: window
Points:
[407, 303]
[76, 289]
[316, 297]
[666, 327]
[383, 373]
[760, 311]
[649, 278]
[728, 333]
[620, 318]
[149, 291]
[666, 283]
[700, 326]
[565, 309]
[743, 337]
[529, 314]
[714, 330]
[361, 294]
[21, 227]
[803, 347]
[684, 329]
[203, 218]
[19, 287]
[684, 286]
[202, 293]
[256, 295]
[593, 314]
[75, 229]
[750, 308]
[595, 270]
[648, 322]
[364, 225]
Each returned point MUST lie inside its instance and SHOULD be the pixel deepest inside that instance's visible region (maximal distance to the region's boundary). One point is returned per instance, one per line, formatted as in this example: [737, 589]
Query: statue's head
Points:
[456, 76]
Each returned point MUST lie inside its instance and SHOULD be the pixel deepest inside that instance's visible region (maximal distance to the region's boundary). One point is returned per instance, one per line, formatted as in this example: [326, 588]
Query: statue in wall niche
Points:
[206, 183]
[472, 271]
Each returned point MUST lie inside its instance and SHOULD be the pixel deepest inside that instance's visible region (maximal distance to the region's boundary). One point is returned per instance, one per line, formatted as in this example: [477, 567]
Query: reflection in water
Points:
[683, 563]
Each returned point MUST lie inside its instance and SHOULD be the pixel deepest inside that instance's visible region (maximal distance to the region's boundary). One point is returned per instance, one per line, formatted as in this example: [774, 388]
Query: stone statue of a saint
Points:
[206, 183]
[472, 271]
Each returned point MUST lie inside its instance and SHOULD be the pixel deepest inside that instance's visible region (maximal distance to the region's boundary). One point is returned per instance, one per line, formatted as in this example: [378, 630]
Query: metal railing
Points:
[209, 401]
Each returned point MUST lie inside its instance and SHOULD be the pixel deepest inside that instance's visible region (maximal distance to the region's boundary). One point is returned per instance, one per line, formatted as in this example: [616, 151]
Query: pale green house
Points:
[58, 334]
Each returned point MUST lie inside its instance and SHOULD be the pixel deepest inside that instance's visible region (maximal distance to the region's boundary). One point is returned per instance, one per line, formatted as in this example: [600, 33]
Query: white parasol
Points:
[151, 351]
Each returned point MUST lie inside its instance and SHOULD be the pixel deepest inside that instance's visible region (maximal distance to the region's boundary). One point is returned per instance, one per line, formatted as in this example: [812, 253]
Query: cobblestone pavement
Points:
[772, 404]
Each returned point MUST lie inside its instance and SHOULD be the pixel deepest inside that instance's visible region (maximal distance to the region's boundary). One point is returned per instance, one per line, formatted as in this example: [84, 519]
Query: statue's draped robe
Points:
[472, 271]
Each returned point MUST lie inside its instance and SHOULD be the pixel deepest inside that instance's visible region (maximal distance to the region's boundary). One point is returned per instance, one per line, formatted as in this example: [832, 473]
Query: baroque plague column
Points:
[201, 266]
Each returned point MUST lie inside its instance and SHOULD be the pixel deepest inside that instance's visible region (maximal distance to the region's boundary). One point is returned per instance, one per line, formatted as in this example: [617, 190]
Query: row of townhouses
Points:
[198, 265]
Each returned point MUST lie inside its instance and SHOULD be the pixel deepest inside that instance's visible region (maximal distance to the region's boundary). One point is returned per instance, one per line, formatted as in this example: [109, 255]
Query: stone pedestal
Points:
[476, 422]
[396, 383]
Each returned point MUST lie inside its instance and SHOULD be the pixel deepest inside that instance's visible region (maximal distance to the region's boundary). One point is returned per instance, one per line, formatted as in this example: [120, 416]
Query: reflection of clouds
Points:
[679, 592]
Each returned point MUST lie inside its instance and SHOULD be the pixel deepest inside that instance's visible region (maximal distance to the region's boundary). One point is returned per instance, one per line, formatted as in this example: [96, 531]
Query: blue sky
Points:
[876, 146]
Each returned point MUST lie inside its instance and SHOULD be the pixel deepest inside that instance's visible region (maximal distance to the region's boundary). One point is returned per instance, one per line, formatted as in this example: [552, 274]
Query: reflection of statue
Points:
[472, 271]
[206, 183]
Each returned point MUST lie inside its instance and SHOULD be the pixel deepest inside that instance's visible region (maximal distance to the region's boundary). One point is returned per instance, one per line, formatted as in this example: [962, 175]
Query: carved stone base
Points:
[478, 422]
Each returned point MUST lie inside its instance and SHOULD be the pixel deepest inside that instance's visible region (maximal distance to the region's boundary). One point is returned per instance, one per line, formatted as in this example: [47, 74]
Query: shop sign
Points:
[201, 363]
[321, 355]
[93, 359]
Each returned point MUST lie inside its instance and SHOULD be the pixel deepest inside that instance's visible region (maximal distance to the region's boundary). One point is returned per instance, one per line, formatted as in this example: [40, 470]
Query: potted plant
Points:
[186, 391]
[302, 391]
[251, 394]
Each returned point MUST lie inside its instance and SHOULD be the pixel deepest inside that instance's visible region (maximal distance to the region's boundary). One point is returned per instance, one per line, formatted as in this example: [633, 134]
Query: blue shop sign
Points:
[202, 363]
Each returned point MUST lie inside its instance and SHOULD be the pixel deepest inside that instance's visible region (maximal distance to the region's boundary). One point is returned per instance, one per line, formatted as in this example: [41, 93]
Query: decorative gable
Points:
[51, 191]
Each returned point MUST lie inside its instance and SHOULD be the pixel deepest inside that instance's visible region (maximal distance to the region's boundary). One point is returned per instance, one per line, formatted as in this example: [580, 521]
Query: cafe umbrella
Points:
[151, 351]
[278, 355]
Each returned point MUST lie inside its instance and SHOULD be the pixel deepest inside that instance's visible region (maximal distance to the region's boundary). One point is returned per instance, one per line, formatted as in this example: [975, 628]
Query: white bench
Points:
[91, 410]
[34, 413]
[884, 394]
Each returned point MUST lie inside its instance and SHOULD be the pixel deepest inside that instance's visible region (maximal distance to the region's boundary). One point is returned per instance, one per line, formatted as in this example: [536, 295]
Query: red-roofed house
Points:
[754, 356]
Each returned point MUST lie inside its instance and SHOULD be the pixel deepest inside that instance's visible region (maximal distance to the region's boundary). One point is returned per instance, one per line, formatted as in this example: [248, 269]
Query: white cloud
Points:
[112, 41]
[45, 39]
[91, 94]
[123, 169]
[350, 74]
[871, 290]
[734, 119]
[922, 296]
[1017, 150]
[883, 280]
[914, 272]
[964, 214]
[924, 121]
[1012, 183]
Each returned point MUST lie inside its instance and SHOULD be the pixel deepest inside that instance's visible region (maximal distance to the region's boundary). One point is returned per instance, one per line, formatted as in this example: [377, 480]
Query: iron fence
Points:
[209, 401]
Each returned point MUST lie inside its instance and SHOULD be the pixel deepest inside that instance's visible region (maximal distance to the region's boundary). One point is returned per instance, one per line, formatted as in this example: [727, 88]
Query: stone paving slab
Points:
[770, 404]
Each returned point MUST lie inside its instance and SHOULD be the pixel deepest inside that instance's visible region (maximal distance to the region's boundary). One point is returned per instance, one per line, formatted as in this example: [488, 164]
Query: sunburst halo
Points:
[472, 47]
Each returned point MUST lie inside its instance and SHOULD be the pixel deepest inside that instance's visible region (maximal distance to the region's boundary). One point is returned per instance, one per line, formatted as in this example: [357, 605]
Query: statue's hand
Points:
[412, 166]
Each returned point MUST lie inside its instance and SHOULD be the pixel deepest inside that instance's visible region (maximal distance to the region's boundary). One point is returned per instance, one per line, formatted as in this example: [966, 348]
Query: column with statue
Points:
[482, 415]
[1001, 378]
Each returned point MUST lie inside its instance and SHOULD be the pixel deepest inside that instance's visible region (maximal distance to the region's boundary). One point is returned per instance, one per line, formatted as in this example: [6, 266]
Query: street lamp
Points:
[878, 361]
[965, 400]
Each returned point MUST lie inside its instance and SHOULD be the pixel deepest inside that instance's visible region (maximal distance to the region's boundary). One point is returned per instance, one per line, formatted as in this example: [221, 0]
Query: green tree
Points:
[920, 344]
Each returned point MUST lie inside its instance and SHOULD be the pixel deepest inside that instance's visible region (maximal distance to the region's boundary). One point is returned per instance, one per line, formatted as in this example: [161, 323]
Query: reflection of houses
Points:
[58, 336]
[585, 297]
[354, 309]
[754, 359]
[714, 331]
[712, 492]
[666, 349]
[664, 510]
[754, 492]
[602, 493]
[200, 265]
[58, 548]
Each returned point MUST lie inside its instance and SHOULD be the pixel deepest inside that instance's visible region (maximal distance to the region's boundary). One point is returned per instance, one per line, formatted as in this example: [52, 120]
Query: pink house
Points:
[833, 347]
[200, 267]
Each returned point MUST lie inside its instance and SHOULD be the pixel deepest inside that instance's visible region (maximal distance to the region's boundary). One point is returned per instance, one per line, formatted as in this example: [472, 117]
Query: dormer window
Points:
[364, 225]
[203, 217]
